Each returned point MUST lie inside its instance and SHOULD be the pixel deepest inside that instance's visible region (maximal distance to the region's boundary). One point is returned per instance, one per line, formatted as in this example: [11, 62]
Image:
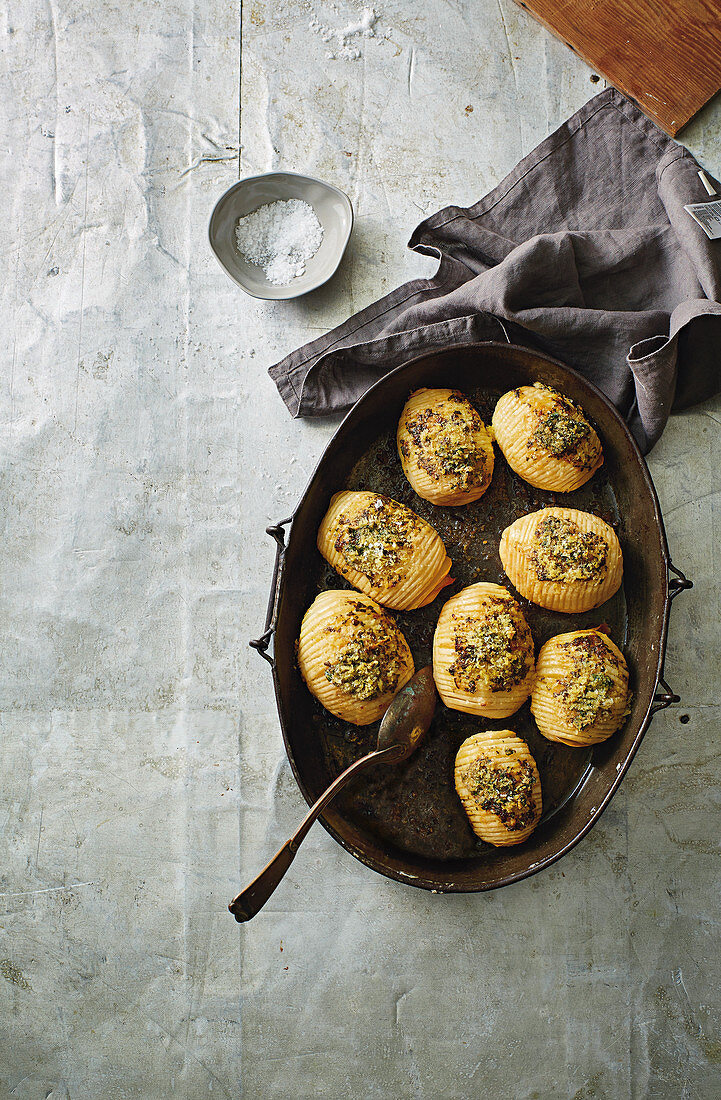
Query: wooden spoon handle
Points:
[251, 900]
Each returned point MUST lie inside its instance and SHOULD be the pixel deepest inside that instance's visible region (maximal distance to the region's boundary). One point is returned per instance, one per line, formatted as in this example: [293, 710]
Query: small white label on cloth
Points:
[708, 216]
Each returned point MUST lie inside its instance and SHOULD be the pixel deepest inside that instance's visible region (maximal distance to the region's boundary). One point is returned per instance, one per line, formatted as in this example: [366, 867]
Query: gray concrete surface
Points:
[142, 452]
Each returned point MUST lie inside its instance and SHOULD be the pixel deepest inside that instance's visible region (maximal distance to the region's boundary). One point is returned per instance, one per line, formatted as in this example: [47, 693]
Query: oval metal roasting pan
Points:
[407, 822]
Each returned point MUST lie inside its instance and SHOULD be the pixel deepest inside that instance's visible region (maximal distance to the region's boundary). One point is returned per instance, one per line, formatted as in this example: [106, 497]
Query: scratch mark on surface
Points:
[40, 829]
[15, 338]
[82, 273]
[25, 1078]
[154, 1022]
[677, 978]
[412, 1060]
[510, 58]
[54, 169]
[399, 1000]
[240, 83]
[60, 224]
[299, 1054]
[176, 261]
[122, 779]
[411, 71]
[212, 141]
[207, 160]
[48, 890]
[688, 503]
[382, 182]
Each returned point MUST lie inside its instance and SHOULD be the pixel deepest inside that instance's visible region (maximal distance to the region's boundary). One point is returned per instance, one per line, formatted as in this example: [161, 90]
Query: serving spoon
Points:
[403, 727]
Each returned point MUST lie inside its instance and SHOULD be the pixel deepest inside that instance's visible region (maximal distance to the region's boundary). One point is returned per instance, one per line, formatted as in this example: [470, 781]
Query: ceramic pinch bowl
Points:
[332, 208]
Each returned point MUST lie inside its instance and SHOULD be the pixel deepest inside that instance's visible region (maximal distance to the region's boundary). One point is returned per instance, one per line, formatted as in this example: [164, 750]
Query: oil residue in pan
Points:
[414, 806]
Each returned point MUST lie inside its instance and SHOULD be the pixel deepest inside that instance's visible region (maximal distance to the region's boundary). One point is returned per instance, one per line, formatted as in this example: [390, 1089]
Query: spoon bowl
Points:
[406, 722]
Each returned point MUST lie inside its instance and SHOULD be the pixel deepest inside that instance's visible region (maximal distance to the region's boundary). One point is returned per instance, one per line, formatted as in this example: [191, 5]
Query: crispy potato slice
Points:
[546, 438]
[444, 447]
[352, 656]
[384, 549]
[483, 652]
[562, 559]
[498, 783]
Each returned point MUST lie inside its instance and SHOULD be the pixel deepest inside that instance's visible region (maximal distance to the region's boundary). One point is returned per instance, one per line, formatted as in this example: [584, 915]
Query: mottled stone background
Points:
[142, 452]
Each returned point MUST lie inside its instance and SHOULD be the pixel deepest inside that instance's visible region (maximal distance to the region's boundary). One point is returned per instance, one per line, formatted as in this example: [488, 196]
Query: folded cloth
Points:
[584, 251]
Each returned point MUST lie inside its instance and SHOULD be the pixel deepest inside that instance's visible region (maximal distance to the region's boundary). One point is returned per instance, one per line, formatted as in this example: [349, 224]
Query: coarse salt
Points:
[280, 237]
[343, 42]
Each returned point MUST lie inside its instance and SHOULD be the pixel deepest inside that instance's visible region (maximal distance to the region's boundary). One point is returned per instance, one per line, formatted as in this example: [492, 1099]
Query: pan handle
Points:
[676, 583]
[663, 699]
[277, 532]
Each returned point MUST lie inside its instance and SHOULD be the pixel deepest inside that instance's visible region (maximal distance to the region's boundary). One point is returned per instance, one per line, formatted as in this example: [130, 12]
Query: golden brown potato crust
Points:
[444, 447]
[580, 695]
[498, 783]
[384, 549]
[352, 656]
[562, 559]
[546, 438]
[483, 652]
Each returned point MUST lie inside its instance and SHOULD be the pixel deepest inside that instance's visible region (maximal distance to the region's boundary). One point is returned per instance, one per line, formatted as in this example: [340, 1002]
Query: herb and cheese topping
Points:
[559, 433]
[493, 651]
[563, 431]
[446, 444]
[504, 788]
[589, 691]
[563, 552]
[378, 542]
[370, 660]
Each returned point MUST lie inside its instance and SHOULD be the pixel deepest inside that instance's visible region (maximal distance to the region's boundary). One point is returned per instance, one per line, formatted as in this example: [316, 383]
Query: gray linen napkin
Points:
[584, 251]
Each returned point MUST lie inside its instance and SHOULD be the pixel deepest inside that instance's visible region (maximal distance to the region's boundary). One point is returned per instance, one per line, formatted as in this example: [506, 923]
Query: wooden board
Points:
[664, 54]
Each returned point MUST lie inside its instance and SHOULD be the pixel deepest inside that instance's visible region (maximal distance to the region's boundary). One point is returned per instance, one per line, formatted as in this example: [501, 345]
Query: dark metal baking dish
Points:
[407, 822]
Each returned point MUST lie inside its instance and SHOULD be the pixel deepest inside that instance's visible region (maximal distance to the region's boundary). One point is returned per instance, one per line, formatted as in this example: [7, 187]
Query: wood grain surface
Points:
[664, 54]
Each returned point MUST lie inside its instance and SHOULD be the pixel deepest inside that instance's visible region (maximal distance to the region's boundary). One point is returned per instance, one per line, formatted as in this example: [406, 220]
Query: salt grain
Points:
[343, 42]
[280, 237]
